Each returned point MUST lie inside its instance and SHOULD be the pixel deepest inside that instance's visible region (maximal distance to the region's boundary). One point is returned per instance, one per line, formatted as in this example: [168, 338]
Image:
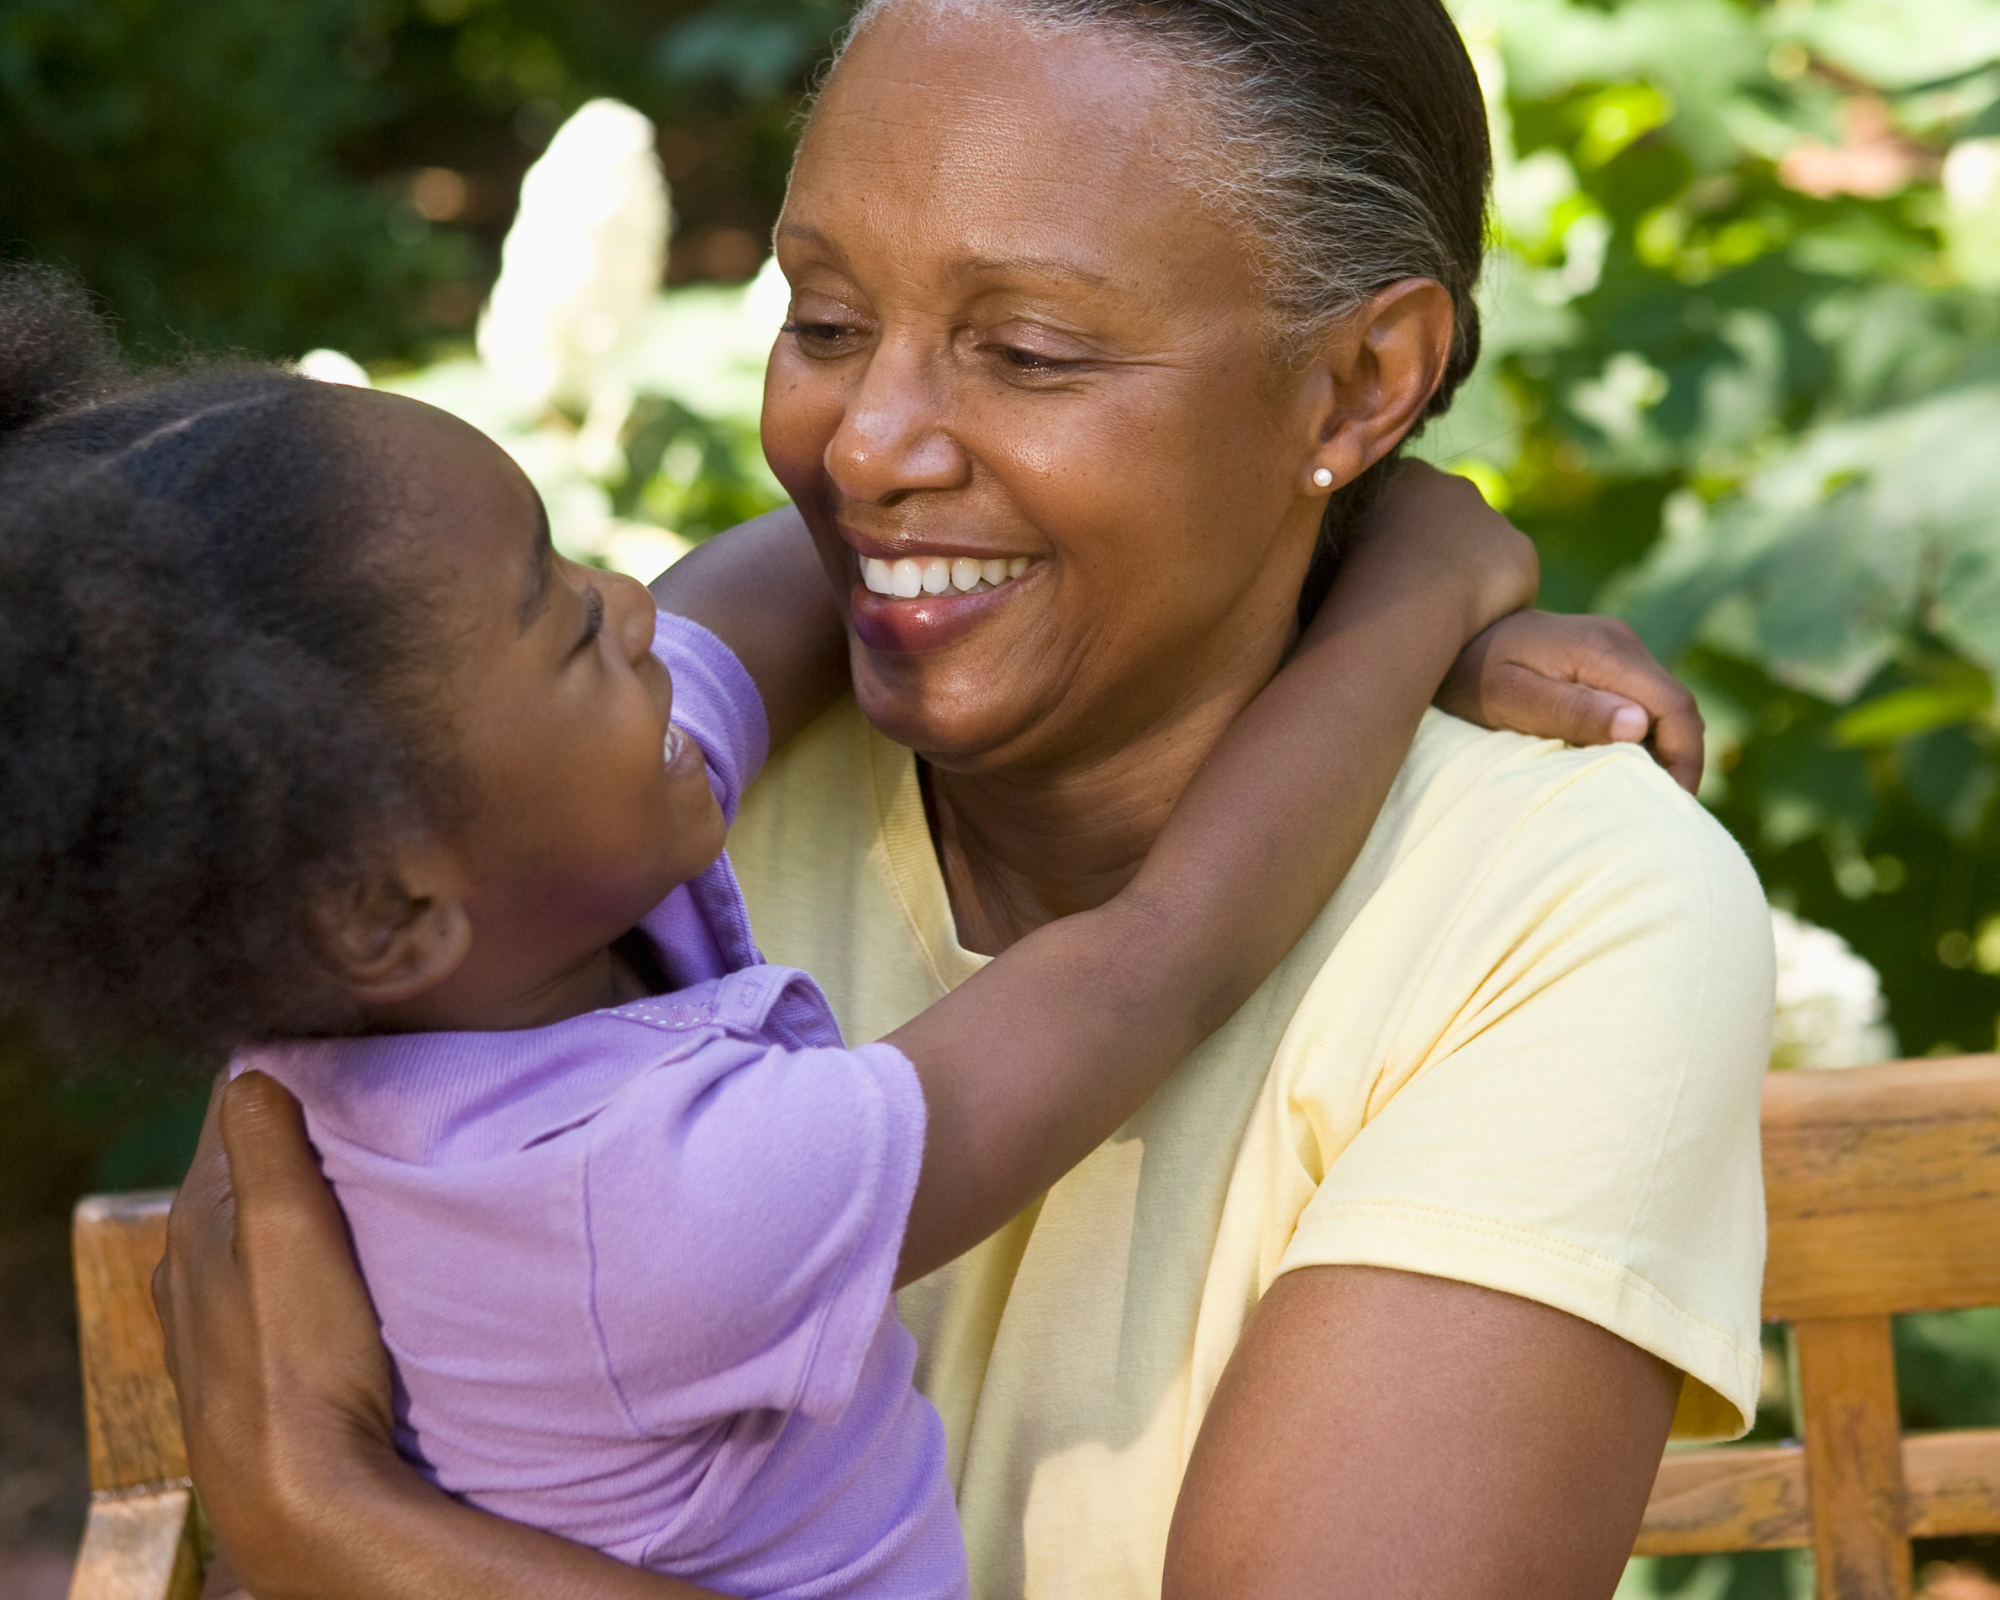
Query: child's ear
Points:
[398, 930]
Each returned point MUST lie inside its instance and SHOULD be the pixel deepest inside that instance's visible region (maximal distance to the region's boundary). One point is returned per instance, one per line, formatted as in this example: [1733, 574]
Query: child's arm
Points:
[1031, 1063]
[761, 590]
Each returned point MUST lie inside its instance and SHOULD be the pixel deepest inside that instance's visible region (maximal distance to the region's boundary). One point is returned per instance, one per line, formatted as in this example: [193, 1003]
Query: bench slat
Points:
[1882, 1189]
[142, 1547]
[133, 1424]
[1753, 1497]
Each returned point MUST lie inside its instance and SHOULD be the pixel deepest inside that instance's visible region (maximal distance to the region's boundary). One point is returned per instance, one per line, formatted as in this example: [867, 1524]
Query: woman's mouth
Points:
[936, 575]
[921, 603]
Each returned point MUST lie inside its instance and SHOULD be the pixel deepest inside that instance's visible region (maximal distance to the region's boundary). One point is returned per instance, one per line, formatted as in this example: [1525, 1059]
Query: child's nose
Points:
[632, 613]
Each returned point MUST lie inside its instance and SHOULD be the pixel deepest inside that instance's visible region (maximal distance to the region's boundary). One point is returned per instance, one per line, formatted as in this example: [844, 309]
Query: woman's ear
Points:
[1381, 366]
[399, 930]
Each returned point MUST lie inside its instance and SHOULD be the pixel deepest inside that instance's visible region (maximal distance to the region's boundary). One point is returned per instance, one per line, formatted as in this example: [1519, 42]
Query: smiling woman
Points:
[1146, 296]
[1398, 1284]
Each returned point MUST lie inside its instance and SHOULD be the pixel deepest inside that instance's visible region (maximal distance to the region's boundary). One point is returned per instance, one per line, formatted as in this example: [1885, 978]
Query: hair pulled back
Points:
[199, 680]
[1351, 145]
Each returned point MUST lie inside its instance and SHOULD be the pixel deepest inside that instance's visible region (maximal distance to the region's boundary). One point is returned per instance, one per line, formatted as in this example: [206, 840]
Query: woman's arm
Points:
[1402, 1437]
[1030, 1064]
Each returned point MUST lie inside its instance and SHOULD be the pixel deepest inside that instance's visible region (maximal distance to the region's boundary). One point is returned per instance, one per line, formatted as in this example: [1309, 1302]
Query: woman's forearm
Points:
[394, 1537]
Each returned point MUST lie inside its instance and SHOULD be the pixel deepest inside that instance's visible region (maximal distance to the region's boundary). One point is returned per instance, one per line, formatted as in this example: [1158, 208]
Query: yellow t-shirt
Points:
[1521, 1048]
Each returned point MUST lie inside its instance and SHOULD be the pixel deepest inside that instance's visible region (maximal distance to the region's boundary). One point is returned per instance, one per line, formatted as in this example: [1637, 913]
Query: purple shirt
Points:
[633, 1269]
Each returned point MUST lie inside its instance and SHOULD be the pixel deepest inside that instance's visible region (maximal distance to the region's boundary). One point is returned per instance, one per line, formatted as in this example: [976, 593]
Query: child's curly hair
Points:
[209, 697]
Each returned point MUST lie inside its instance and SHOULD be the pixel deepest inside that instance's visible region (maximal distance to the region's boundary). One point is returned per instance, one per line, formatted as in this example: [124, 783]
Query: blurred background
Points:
[1741, 383]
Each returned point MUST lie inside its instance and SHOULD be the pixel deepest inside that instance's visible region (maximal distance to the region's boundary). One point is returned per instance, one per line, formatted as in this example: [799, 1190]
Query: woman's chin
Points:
[952, 712]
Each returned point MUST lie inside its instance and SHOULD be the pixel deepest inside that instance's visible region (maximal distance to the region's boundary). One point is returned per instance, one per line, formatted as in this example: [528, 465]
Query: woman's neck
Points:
[1018, 850]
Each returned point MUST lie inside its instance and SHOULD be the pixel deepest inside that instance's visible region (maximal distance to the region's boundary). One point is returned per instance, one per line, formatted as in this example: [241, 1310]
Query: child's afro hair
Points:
[204, 687]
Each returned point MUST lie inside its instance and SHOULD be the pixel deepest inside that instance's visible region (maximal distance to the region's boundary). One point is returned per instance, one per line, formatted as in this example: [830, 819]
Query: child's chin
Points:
[697, 838]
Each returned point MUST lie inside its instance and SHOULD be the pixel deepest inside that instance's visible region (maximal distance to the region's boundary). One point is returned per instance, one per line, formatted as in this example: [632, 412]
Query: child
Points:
[322, 756]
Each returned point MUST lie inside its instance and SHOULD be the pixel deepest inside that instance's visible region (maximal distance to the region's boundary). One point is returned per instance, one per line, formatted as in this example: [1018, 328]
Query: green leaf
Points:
[1962, 694]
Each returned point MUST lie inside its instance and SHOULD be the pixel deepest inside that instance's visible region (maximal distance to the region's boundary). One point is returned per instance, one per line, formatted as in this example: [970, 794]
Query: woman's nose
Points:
[895, 435]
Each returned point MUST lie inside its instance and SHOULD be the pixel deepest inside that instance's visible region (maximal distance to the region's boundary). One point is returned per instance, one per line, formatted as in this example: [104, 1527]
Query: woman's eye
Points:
[1030, 361]
[819, 338]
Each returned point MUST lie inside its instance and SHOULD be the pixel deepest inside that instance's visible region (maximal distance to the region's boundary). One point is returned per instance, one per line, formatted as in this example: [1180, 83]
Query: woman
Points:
[1398, 1285]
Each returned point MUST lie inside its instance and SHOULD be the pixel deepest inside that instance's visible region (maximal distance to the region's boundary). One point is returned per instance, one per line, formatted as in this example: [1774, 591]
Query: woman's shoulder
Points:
[1515, 877]
[1513, 806]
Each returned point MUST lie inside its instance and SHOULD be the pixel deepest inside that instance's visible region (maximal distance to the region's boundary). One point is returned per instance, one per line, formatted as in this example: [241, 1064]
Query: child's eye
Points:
[593, 619]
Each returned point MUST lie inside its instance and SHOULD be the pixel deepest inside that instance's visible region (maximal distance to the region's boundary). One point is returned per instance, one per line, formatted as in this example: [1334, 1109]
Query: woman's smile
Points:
[1050, 466]
[912, 598]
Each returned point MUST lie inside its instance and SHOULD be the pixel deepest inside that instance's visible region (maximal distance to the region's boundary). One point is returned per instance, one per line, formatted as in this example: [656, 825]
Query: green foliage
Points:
[182, 157]
[1743, 386]
[1743, 362]
[234, 174]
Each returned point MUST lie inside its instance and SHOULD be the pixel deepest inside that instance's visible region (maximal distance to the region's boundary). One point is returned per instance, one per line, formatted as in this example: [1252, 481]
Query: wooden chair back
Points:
[1882, 1189]
[142, 1539]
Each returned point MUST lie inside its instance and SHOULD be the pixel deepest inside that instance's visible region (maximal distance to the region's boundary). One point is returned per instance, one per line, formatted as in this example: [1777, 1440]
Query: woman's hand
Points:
[1584, 680]
[271, 1340]
[285, 1396]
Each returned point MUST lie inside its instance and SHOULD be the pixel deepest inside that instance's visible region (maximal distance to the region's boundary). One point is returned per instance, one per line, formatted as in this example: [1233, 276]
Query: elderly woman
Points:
[1400, 1284]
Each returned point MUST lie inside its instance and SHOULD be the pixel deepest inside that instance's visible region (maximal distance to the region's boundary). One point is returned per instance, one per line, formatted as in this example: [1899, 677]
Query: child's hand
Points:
[1435, 530]
[1584, 680]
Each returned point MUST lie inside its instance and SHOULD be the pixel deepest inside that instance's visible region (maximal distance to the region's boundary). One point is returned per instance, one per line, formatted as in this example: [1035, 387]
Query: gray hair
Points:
[1350, 146]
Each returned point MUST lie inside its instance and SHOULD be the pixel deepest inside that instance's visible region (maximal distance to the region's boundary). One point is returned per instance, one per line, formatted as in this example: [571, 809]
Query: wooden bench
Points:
[1883, 1195]
[1882, 1189]
[142, 1541]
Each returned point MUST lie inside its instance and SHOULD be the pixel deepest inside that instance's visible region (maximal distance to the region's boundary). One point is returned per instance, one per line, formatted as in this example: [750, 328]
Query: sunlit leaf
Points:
[1963, 693]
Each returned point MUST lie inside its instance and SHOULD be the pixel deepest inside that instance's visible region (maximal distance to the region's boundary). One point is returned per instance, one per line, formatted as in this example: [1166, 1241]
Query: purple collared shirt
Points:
[634, 1269]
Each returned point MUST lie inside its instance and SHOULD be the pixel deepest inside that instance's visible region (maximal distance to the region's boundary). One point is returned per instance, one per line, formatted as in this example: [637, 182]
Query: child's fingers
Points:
[1552, 708]
[1584, 680]
[1678, 743]
[1612, 658]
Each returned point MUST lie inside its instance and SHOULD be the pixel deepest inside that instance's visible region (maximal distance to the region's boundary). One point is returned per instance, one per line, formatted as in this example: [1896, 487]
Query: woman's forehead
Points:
[966, 121]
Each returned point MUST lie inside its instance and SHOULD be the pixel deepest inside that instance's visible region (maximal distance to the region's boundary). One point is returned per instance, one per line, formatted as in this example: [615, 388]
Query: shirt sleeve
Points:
[745, 1227]
[717, 702]
[1567, 1104]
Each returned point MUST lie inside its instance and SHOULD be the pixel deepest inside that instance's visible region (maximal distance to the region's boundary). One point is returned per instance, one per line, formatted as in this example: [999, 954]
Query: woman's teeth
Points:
[908, 578]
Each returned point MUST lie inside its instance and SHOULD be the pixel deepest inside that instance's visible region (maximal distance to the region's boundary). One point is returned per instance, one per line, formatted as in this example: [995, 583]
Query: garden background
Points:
[1741, 383]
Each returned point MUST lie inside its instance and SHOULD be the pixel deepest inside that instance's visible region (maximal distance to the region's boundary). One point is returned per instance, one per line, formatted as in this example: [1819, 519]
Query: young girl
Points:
[320, 755]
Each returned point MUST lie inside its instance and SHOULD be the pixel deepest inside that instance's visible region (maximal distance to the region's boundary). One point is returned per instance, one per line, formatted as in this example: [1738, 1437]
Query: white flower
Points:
[1831, 1012]
[1971, 182]
[583, 260]
[332, 366]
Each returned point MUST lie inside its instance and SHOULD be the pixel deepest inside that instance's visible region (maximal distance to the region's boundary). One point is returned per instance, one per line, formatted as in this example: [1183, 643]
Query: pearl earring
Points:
[1322, 477]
